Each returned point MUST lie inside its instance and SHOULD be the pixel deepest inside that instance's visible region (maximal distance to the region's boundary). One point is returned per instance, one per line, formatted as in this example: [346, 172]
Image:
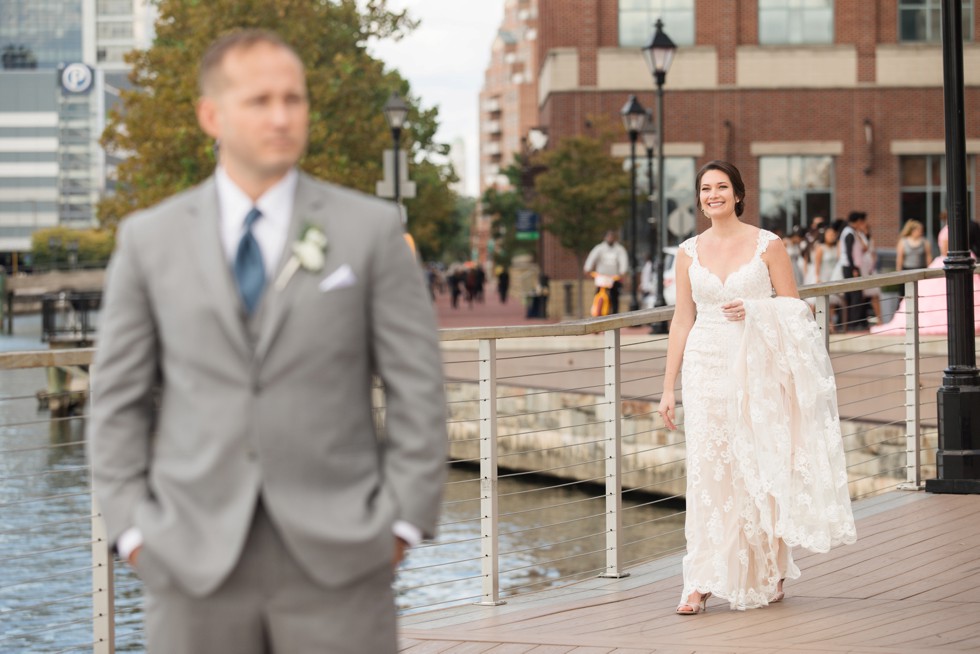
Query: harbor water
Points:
[45, 540]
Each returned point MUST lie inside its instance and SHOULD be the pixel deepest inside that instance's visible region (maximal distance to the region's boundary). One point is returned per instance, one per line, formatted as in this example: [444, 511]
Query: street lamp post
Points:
[958, 455]
[396, 111]
[634, 117]
[659, 54]
[649, 136]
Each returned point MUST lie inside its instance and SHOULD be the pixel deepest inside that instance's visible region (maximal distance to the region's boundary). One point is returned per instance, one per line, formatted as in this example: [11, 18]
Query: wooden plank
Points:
[912, 556]
[472, 648]
[510, 648]
[431, 647]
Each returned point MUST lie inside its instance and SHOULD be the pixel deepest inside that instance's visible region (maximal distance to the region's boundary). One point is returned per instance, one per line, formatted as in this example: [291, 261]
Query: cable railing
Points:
[560, 468]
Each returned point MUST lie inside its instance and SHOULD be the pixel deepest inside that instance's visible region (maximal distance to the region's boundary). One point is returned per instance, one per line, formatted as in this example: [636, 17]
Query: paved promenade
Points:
[492, 313]
[488, 313]
[911, 585]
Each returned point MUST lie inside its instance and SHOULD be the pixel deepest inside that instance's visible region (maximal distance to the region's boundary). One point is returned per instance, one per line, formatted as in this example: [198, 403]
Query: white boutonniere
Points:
[309, 253]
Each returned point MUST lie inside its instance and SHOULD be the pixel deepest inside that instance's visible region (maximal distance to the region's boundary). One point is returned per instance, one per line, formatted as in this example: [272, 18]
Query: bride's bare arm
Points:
[780, 270]
[680, 327]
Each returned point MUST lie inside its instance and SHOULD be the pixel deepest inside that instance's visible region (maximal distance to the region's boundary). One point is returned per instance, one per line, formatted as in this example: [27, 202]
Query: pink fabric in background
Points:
[932, 307]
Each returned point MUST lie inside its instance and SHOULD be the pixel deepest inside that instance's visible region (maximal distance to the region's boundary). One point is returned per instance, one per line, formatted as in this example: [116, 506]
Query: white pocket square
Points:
[340, 278]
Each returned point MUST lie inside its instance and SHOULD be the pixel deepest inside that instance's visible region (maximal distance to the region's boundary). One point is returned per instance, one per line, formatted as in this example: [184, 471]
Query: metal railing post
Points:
[913, 444]
[489, 498]
[613, 454]
[103, 590]
[823, 318]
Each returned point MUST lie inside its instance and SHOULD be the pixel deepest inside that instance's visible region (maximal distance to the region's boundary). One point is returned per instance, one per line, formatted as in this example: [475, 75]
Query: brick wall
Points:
[758, 115]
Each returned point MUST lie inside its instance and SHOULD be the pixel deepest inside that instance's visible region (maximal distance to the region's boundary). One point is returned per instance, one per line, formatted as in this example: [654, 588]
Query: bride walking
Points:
[765, 463]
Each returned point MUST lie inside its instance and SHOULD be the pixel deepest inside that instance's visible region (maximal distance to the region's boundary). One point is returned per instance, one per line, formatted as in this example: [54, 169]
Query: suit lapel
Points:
[215, 271]
[306, 208]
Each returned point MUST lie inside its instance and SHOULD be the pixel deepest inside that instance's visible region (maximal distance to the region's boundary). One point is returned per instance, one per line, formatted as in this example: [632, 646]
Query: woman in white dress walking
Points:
[765, 463]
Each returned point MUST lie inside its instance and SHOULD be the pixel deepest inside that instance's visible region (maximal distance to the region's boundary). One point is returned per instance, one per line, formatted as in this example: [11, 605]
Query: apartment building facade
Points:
[826, 106]
[62, 69]
[508, 105]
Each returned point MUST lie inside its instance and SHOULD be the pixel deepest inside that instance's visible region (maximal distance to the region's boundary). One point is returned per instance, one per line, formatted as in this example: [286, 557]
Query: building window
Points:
[793, 190]
[791, 22]
[923, 190]
[636, 19]
[113, 54]
[115, 7]
[919, 21]
[115, 30]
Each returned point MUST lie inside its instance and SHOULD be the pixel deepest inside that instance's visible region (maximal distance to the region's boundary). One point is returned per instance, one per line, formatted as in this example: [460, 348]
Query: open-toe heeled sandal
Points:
[689, 608]
[778, 597]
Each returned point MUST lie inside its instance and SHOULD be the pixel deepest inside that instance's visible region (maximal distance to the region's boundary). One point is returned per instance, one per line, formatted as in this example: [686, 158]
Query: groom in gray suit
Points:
[233, 443]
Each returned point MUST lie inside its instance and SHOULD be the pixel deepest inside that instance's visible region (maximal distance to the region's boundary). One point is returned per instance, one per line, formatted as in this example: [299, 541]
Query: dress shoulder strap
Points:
[690, 246]
[765, 237]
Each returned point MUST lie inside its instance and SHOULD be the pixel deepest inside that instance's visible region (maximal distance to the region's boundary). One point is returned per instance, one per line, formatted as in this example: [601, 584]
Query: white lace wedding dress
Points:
[765, 463]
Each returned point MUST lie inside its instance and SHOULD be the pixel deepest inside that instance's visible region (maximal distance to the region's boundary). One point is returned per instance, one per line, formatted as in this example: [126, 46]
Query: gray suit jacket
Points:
[191, 423]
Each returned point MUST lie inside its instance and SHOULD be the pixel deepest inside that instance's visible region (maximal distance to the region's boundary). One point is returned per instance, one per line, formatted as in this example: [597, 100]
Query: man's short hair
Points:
[242, 39]
[856, 216]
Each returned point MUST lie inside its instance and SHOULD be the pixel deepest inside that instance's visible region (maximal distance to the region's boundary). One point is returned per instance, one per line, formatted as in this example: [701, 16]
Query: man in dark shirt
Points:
[851, 251]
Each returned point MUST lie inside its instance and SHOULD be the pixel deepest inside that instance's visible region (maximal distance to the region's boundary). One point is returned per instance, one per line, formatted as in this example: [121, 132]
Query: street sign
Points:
[528, 223]
[386, 187]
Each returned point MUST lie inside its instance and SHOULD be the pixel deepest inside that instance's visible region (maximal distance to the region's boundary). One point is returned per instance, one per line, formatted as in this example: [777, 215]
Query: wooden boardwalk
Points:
[910, 585]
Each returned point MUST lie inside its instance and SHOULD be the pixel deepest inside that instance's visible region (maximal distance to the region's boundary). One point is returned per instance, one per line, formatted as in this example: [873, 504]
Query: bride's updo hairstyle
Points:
[738, 186]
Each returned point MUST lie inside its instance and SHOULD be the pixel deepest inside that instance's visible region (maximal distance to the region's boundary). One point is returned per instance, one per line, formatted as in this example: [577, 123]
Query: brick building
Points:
[508, 101]
[826, 106]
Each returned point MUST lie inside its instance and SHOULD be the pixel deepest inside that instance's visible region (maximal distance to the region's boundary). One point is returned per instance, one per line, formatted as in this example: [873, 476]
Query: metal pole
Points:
[489, 495]
[651, 221]
[614, 456]
[661, 203]
[396, 135]
[913, 441]
[103, 588]
[635, 302]
[958, 456]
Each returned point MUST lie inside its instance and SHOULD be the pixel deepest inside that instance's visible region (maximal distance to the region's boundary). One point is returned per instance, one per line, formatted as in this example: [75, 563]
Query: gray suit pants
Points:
[268, 605]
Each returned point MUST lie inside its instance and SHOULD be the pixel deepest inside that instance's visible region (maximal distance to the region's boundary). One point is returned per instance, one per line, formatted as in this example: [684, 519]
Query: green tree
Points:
[457, 248]
[504, 205]
[167, 151]
[432, 212]
[582, 193]
[52, 247]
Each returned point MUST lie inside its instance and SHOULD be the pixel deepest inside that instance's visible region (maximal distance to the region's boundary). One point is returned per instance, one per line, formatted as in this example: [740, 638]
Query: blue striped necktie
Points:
[249, 269]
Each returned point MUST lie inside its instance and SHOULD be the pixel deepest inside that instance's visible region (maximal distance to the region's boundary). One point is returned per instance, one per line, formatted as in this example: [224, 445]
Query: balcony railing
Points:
[570, 406]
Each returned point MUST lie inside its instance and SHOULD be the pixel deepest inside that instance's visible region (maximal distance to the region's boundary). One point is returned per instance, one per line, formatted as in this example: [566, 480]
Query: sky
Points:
[444, 60]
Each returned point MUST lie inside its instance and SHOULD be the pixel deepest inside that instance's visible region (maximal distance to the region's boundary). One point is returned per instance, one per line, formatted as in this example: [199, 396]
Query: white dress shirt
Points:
[271, 232]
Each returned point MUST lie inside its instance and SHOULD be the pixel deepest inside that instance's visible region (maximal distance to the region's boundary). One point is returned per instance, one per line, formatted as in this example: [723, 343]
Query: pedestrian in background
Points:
[851, 250]
[869, 265]
[912, 250]
[609, 259]
[503, 284]
[812, 238]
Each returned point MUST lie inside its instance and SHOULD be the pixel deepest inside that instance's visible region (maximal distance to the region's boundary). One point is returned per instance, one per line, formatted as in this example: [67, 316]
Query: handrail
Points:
[644, 317]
